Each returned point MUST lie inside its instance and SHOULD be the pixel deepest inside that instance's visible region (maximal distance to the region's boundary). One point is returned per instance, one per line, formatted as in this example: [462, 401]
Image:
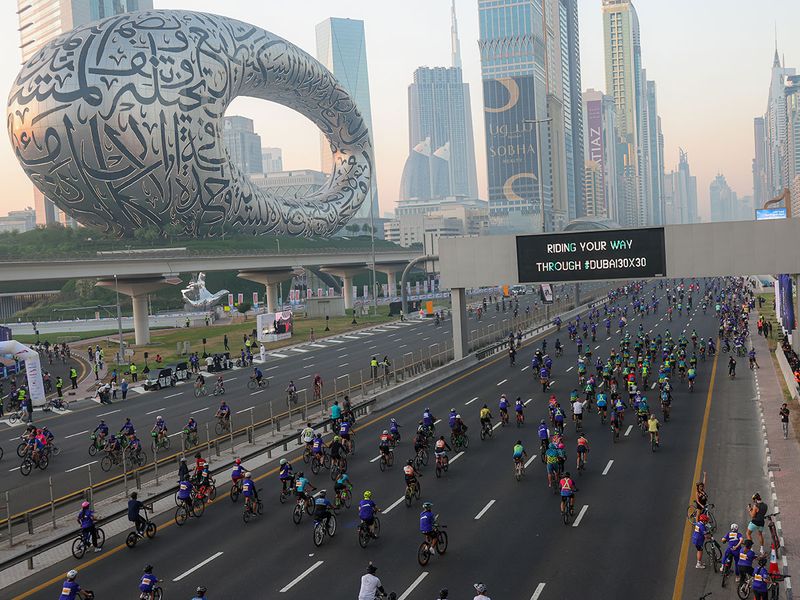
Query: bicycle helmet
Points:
[148, 568]
[444, 593]
[367, 495]
[458, 416]
[159, 418]
[283, 461]
[247, 474]
[703, 518]
[72, 574]
[371, 568]
[734, 527]
[542, 422]
[300, 475]
[84, 504]
[410, 462]
[239, 461]
[427, 505]
[201, 589]
[385, 432]
[322, 493]
[336, 438]
[479, 587]
[393, 420]
[183, 459]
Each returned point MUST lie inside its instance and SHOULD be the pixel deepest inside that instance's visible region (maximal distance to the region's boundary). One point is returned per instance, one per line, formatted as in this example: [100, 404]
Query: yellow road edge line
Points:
[680, 574]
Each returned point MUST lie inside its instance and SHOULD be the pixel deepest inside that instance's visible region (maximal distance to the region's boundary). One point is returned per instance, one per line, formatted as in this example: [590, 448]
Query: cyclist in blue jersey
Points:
[734, 541]
[427, 522]
[366, 512]
[503, 406]
[257, 375]
[200, 593]
[249, 491]
[286, 475]
[101, 430]
[322, 508]
[238, 470]
[318, 445]
[148, 582]
[70, 590]
[185, 493]
[519, 408]
[86, 518]
[544, 435]
[428, 419]
[394, 430]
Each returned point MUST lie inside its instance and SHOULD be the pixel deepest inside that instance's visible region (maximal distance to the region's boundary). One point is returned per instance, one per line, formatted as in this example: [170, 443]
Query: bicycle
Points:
[291, 398]
[186, 509]
[160, 442]
[486, 430]
[149, 529]
[338, 467]
[773, 532]
[222, 425]
[321, 530]
[654, 443]
[713, 551]
[412, 492]
[200, 390]
[219, 390]
[387, 460]
[286, 491]
[28, 463]
[257, 384]
[343, 498]
[420, 459]
[504, 417]
[190, 438]
[520, 419]
[519, 469]
[692, 515]
[442, 464]
[567, 509]
[425, 550]
[83, 542]
[302, 504]
[156, 594]
[726, 569]
[774, 588]
[460, 441]
[250, 511]
[364, 533]
[112, 458]
[96, 445]
[318, 461]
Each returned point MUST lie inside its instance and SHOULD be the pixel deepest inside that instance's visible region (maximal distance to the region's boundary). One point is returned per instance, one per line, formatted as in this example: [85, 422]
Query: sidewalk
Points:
[781, 456]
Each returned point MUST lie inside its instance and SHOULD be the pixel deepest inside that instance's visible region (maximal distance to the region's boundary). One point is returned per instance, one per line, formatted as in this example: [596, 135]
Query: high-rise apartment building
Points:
[792, 93]
[243, 144]
[652, 141]
[43, 20]
[724, 204]
[272, 160]
[679, 191]
[342, 48]
[438, 111]
[625, 82]
[602, 146]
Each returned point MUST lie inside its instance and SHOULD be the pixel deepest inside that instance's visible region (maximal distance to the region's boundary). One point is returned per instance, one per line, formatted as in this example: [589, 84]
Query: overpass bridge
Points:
[137, 273]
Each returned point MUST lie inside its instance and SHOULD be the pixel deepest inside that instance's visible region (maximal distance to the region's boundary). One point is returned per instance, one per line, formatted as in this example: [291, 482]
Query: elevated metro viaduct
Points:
[136, 274]
[687, 251]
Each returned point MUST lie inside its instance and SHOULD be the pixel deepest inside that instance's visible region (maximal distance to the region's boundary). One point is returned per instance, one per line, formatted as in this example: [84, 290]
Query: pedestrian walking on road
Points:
[373, 367]
[784, 414]
[59, 387]
[311, 336]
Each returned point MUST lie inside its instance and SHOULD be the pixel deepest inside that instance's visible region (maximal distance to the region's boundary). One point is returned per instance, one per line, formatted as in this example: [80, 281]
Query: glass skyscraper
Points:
[342, 48]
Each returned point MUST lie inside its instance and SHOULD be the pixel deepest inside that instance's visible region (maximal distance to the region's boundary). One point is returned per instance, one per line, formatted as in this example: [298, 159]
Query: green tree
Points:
[243, 307]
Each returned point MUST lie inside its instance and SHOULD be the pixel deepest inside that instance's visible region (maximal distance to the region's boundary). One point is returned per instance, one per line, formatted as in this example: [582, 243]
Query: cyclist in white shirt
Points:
[370, 585]
[481, 589]
[307, 435]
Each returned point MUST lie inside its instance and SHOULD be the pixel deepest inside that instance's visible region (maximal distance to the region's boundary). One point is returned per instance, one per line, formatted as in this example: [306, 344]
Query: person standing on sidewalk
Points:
[73, 377]
[784, 414]
[757, 511]
[96, 371]
[123, 387]
[134, 374]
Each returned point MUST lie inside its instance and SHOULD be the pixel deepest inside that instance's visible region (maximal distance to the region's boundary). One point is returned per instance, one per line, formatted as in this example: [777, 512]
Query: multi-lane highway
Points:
[625, 541]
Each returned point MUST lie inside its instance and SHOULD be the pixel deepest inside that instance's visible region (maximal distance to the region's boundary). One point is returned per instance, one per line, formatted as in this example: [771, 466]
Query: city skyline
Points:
[693, 103]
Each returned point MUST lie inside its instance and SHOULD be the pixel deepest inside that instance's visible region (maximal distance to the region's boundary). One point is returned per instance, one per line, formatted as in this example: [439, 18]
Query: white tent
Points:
[33, 369]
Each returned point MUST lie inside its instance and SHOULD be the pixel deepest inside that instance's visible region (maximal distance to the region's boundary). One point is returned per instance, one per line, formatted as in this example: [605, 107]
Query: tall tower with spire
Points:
[455, 43]
[776, 128]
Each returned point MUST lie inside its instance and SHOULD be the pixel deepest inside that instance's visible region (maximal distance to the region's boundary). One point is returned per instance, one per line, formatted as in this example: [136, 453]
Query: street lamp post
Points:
[538, 122]
[119, 324]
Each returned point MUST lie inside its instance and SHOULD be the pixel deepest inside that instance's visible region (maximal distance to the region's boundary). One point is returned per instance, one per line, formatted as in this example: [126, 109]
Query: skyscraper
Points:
[437, 111]
[760, 192]
[342, 48]
[792, 93]
[43, 20]
[653, 165]
[571, 68]
[724, 205]
[624, 76]
[775, 129]
[243, 144]
[272, 160]
[680, 194]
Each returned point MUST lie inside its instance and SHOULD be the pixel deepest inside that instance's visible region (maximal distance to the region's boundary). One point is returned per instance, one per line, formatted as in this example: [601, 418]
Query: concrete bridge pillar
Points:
[346, 274]
[270, 278]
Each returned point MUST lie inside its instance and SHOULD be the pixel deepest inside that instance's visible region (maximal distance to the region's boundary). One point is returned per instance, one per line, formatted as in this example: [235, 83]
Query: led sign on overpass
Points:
[591, 255]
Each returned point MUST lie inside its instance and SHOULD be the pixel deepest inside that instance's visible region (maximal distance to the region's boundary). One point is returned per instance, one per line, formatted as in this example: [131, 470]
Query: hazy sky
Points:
[711, 60]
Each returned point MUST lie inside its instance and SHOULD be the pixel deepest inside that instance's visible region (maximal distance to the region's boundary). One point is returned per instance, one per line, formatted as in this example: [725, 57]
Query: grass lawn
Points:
[165, 342]
[768, 312]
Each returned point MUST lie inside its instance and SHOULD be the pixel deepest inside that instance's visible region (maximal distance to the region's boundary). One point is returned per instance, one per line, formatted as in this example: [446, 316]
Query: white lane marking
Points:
[628, 430]
[109, 413]
[300, 350]
[608, 467]
[570, 369]
[174, 434]
[608, 338]
[66, 437]
[580, 515]
[437, 421]
[538, 591]
[400, 346]
[80, 467]
[257, 392]
[426, 338]
[484, 509]
[304, 377]
[317, 346]
[411, 588]
[502, 382]
[456, 457]
[197, 566]
[396, 503]
[299, 578]
[335, 341]
[309, 358]
[170, 396]
[276, 355]
[470, 401]
[524, 369]
[652, 387]
[597, 347]
[351, 337]
[194, 412]
[377, 458]
[528, 401]
[530, 460]
[270, 369]
[238, 412]
[496, 425]
[158, 409]
[343, 365]
[14, 469]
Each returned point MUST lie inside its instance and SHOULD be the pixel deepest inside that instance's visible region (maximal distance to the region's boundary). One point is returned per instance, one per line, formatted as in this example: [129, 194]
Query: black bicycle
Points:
[148, 530]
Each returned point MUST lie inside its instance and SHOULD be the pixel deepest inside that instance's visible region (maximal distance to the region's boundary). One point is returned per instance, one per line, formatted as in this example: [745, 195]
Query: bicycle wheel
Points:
[335, 471]
[106, 463]
[235, 491]
[424, 457]
[181, 515]
[363, 535]
[409, 497]
[382, 463]
[131, 540]
[212, 493]
[21, 449]
[319, 534]
[423, 554]
[78, 547]
[390, 459]
[282, 496]
[140, 459]
[712, 523]
[347, 498]
[726, 571]
[246, 514]
[714, 552]
[297, 514]
[565, 515]
[150, 530]
[252, 384]
[198, 507]
[438, 470]
[55, 449]
[158, 593]
[465, 441]
[92, 449]
[743, 590]
[219, 428]
[260, 507]
[326, 461]
[774, 591]
[331, 526]
[517, 473]
[26, 467]
[306, 455]
[101, 537]
[309, 506]
[315, 465]
[441, 544]
[483, 434]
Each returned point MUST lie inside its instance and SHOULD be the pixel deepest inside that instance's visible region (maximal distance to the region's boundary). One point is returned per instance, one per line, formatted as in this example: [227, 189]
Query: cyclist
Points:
[112, 444]
[503, 406]
[185, 494]
[420, 441]
[300, 485]
[582, 451]
[127, 429]
[366, 512]
[745, 560]
[191, 427]
[486, 417]
[291, 390]
[568, 490]
[200, 465]
[200, 593]
[224, 412]
[160, 429]
[249, 492]
[322, 508]
[451, 419]
[551, 459]
[220, 385]
[602, 404]
[307, 435]
[519, 408]
[577, 412]
[317, 386]
[286, 475]
[519, 453]
[336, 412]
[732, 367]
[459, 427]
[134, 507]
[441, 449]
[237, 474]
[734, 541]
[427, 525]
[70, 588]
[691, 374]
[345, 433]
[101, 431]
[652, 428]
[257, 375]
[385, 443]
[411, 475]
[342, 483]
[428, 420]
[544, 435]
[761, 579]
[394, 430]
[318, 447]
[135, 446]
[337, 450]
[86, 519]
[148, 582]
